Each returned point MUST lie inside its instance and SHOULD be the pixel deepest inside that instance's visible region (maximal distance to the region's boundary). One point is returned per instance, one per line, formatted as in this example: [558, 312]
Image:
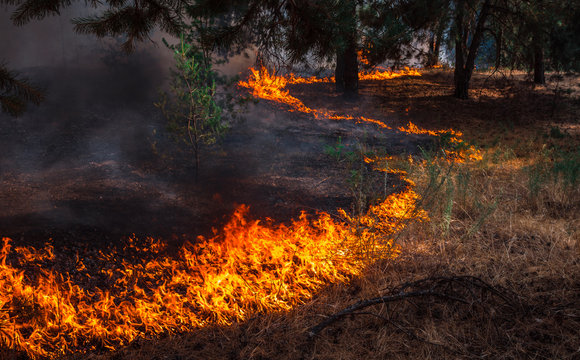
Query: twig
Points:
[441, 287]
[315, 330]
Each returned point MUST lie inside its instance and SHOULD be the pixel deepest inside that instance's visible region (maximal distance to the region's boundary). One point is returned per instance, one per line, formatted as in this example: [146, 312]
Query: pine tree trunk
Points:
[461, 84]
[430, 58]
[539, 77]
[460, 75]
[464, 56]
[339, 72]
[351, 70]
[437, 48]
[434, 47]
[346, 71]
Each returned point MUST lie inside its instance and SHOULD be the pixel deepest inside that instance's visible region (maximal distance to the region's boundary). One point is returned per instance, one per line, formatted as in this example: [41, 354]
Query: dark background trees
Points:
[531, 35]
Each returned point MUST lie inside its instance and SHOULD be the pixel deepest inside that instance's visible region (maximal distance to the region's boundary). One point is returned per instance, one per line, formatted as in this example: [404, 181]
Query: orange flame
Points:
[248, 268]
[273, 88]
[387, 75]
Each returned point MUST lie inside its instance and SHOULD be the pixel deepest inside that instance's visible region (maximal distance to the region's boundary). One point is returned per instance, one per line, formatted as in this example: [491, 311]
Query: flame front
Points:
[247, 268]
[250, 267]
[273, 88]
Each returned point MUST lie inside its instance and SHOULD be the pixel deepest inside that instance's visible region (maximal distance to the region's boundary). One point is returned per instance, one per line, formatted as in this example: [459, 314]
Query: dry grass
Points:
[486, 221]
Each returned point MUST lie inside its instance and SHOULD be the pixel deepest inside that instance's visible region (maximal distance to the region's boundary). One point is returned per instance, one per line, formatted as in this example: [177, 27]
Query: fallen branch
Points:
[440, 287]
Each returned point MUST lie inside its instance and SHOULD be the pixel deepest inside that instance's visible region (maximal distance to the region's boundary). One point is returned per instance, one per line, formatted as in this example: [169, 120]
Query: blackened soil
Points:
[92, 167]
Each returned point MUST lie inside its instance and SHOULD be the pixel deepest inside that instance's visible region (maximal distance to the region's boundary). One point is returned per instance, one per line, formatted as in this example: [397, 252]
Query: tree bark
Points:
[539, 77]
[460, 75]
[346, 72]
[434, 47]
[339, 72]
[464, 57]
[461, 84]
[437, 49]
[351, 69]
[431, 53]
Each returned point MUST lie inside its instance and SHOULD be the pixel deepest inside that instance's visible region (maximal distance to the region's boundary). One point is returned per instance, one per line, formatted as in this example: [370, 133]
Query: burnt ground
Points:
[82, 167]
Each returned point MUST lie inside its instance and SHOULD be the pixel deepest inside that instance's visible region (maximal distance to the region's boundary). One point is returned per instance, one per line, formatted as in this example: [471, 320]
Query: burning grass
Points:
[272, 87]
[248, 268]
[490, 226]
[510, 218]
[500, 218]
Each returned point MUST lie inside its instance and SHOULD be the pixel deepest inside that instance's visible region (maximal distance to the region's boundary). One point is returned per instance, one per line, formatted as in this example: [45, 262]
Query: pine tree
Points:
[134, 19]
[470, 17]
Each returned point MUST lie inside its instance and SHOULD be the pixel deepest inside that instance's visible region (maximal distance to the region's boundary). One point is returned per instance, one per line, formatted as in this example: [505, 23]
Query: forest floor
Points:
[502, 243]
[514, 223]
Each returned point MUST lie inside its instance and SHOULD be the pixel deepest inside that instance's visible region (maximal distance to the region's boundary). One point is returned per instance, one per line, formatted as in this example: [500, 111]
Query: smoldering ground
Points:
[82, 165]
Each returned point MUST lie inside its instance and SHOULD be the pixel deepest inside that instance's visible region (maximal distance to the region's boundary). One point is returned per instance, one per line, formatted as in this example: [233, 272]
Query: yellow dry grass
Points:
[525, 244]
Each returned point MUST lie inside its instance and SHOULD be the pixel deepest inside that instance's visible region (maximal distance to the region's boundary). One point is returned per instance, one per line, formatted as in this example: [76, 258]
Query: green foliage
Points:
[564, 42]
[191, 110]
[556, 133]
[339, 151]
[448, 192]
[366, 184]
[567, 167]
[134, 20]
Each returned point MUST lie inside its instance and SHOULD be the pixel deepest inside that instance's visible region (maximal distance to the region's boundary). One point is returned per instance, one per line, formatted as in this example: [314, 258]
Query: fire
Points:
[272, 87]
[387, 75]
[250, 267]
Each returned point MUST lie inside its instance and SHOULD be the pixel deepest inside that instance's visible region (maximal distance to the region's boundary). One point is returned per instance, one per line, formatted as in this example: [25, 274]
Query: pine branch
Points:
[135, 21]
[459, 289]
[36, 9]
[16, 92]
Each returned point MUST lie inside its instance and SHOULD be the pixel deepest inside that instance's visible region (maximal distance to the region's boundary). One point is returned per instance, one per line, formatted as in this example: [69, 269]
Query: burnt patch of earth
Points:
[81, 167]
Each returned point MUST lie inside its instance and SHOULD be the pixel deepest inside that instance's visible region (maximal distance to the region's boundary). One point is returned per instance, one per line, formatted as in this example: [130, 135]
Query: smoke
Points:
[84, 160]
[79, 159]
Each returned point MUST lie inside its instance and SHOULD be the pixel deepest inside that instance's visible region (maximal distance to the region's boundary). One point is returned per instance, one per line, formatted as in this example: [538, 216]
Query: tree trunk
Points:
[539, 77]
[434, 48]
[460, 75]
[339, 72]
[461, 85]
[465, 57]
[437, 49]
[346, 72]
[431, 53]
[351, 69]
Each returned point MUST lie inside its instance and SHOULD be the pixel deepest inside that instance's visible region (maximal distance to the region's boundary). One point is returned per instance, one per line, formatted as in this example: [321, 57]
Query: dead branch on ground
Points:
[468, 290]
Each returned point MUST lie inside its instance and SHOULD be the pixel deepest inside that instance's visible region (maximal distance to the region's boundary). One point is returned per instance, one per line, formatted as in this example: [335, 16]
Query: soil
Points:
[82, 166]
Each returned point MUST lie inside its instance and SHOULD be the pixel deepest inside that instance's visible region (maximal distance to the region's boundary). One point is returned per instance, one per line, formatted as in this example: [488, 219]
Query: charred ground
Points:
[93, 165]
[276, 162]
